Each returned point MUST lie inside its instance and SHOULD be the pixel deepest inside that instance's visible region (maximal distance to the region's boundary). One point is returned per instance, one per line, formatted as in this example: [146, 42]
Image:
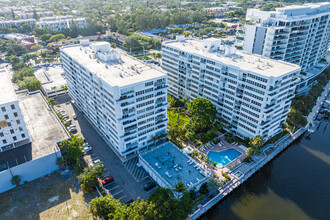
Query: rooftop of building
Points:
[112, 66]
[291, 12]
[172, 165]
[44, 127]
[50, 76]
[232, 57]
[6, 88]
[17, 36]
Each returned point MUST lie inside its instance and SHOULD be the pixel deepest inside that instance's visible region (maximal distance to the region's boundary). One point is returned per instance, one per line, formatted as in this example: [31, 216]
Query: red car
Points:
[107, 180]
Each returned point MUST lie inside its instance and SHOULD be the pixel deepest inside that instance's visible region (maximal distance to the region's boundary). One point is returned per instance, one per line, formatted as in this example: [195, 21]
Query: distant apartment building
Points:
[18, 23]
[27, 15]
[61, 22]
[296, 34]
[13, 131]
[252, 93]
[125, 99]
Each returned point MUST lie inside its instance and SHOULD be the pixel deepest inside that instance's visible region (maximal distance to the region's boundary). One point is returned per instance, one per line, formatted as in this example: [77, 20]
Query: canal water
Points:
[294, 186]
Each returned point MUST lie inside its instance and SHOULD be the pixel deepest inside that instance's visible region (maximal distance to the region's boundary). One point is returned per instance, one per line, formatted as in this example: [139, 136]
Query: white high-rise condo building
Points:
[13, 131]
[124, 98]
[252, 93]
[298, 34]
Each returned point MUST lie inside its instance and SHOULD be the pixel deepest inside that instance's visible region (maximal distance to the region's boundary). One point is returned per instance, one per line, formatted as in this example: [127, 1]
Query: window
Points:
[6, 117]
[20, 129]
[18, 121]
[9, 124]
[12, 131]
[15, 138]
[15, 114]
[1, 134]
[4, 141]
[3, 109]
[12, 106]
[23, 135]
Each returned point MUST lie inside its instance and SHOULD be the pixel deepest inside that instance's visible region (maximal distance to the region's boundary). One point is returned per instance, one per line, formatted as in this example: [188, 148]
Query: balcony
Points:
[161, 87]
[126, 103]
[124, 97]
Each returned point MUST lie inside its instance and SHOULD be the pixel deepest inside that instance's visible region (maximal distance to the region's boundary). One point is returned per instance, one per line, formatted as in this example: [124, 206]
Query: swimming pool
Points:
[224, 157]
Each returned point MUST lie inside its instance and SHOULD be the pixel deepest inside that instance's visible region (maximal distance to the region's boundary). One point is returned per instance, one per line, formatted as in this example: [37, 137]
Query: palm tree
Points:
[256, 142]
[179, 188]
[202, 156]
[208, 160]
[215, 164]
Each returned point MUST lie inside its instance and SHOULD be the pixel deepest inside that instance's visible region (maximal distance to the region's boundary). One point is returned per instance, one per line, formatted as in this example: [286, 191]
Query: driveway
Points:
[127, 187]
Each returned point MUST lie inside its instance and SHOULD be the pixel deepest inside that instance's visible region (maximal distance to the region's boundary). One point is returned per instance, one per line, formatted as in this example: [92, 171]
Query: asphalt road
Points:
[124, 187]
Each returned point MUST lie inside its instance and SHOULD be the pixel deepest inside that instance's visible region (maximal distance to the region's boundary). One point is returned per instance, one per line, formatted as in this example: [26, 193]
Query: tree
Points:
[167, 206]
[109, 208]
[30, 83]
[204, 189]
[250, 151]
[132, 43]
[104, 206]
[179, 187]
[35, 15]
[72, 150]
[88, 178]
[45, 37]
[256, 142]
[215, 164]
[203, 111]
[113, 45]
[20, 75]
[16, 180]
[56, 38]
[26, 28]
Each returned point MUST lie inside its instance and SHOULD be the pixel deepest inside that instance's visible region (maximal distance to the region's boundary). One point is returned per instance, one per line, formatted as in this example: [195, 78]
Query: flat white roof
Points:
[241, 59]
[51, 76]
[6, 88]
[125, 71]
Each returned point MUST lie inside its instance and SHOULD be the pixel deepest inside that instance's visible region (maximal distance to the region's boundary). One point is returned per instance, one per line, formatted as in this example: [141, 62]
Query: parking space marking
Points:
[122, 197]
[117, 192]
[114, 188]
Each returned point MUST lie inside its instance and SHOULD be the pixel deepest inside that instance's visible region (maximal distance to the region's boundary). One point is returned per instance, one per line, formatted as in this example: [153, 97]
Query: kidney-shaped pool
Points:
[224, 157]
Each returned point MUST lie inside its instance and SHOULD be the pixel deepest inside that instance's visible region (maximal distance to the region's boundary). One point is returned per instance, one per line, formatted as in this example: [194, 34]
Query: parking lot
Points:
[125, 187]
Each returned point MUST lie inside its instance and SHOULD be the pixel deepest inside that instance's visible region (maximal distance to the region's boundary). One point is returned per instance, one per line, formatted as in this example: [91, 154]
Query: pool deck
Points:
[218, 148]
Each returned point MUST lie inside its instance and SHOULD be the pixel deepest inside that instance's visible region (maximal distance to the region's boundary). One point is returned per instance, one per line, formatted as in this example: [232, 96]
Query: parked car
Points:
[87, 145]
[97, 161]
[65, 116]
[68, 120]
[149, 186]
[86, 149]
[74, 116]
[73, 130]
[107, 180]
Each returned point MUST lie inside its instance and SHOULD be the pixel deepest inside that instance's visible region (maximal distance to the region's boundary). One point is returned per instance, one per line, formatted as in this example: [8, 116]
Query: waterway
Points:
[295, 185]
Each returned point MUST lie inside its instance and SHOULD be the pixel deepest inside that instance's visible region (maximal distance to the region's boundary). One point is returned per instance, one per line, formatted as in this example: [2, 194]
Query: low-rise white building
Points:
[61, 22]
[18, 23]
[125, 99]
[252, 93]
[13, 131]
[52, 79]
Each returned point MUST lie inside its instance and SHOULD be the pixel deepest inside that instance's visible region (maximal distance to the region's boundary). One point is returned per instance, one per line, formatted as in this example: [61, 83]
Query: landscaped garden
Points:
[193, 122]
